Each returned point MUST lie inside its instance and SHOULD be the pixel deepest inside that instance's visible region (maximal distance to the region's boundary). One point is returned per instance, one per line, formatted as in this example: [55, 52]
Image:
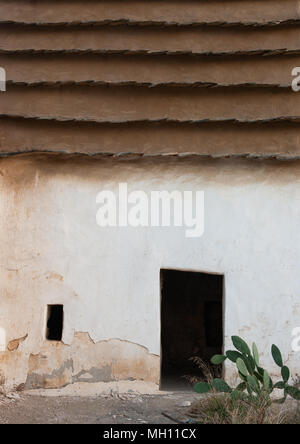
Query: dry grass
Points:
[216, 408]
[221, 409]
[207, 370]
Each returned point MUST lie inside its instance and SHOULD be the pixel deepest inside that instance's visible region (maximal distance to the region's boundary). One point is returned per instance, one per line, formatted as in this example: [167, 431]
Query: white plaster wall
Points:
[52, 251]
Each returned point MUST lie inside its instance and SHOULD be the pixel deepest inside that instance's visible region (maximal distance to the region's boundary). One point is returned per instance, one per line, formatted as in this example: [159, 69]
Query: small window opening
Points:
[55, 317]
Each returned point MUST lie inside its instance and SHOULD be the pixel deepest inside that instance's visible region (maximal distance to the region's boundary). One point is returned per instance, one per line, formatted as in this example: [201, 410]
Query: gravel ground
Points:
[112, 408]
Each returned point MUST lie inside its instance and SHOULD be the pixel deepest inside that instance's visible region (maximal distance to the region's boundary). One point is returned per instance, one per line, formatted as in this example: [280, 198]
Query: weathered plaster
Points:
[58, 364]
[14, 344]
[52, 251]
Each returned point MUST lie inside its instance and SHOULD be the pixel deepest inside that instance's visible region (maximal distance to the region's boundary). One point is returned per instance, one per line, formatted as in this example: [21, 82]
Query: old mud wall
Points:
[150, 77]
[53, 252]
[181, 91]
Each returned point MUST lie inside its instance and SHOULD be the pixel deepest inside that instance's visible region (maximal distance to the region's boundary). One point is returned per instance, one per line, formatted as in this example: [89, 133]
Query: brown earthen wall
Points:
[134, 77]
[150, 77]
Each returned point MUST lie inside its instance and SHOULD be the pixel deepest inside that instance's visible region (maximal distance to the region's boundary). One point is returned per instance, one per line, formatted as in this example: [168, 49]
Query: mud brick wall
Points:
[210, 77]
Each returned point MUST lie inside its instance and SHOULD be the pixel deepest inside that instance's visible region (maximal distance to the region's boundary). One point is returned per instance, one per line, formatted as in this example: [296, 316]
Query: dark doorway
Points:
[55, 318]
[191, 325]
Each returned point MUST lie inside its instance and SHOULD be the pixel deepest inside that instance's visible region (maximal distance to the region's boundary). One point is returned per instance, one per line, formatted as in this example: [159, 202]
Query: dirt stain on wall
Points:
[58, 364]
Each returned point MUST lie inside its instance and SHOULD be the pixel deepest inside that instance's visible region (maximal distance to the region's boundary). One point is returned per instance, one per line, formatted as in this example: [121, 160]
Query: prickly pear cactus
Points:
[255, 380]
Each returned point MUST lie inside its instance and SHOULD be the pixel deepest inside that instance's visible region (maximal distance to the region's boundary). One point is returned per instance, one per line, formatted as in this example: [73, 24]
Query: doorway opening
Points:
[55, 318]
[191, 325]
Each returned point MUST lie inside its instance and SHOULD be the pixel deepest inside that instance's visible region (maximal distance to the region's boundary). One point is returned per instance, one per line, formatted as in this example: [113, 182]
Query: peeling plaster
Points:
[58, 378]
[14, 344]
[58, 365]
[246, 195]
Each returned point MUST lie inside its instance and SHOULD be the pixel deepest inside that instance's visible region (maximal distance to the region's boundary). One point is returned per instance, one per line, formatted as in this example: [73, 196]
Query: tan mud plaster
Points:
[14, 344]
[58, 365]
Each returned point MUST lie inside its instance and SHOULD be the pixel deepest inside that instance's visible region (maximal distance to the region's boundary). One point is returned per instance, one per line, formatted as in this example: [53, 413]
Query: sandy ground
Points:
[101, 403]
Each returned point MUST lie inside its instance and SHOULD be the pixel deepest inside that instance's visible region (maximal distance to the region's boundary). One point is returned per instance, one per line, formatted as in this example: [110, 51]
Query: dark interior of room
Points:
[54, 322]
[191, 325]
